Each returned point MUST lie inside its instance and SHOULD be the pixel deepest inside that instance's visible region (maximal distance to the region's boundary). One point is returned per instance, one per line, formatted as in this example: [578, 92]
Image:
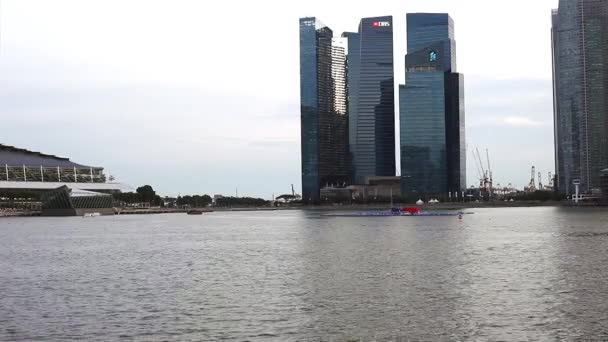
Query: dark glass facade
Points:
[353, 63]
[580, 88]
[371, 94]
[433, 147]
[324, 119]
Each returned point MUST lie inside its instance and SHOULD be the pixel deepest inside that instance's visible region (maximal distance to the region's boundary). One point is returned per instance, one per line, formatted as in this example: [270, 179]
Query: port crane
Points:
[485, 175]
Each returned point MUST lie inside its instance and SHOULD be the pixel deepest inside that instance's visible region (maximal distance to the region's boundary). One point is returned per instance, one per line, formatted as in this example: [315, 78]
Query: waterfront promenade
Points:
[334, 207]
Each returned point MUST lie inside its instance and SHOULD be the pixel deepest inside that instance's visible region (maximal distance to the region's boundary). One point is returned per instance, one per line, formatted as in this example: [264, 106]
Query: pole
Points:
[41, 173]
[24, 174]
[6, 168]
[58, 174]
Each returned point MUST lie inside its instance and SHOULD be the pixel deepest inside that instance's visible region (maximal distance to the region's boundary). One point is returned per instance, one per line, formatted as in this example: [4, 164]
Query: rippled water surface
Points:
[501, 274]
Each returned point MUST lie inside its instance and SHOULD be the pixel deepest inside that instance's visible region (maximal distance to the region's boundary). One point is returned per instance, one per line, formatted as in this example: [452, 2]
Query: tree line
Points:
[143, 194]
[146, 194]
[195, 201]
[227, 202]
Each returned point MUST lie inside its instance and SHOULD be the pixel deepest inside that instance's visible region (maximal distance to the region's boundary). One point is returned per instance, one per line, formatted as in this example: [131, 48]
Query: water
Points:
[501, 274]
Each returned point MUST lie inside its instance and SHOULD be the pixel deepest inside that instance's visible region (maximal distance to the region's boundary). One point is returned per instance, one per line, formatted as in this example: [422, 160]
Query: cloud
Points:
[201, 103]
[523, 121]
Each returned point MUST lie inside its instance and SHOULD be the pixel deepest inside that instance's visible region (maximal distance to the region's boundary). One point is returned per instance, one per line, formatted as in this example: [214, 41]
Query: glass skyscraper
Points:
[324, 119]
[432, 120]
[580, 88]
[371, 94]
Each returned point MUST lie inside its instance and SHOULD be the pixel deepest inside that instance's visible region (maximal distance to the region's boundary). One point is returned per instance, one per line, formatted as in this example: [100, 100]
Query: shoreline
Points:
[347, 207]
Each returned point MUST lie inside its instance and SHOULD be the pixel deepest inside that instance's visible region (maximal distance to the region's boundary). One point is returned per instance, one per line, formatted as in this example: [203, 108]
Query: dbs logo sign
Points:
[381, 24]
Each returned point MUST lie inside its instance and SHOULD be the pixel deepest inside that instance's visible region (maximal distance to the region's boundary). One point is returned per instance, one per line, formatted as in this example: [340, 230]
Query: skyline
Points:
[101, 82]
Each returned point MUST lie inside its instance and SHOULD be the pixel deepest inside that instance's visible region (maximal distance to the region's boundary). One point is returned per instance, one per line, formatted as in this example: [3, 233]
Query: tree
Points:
[147, 193]
[241, 201]
[195, 201]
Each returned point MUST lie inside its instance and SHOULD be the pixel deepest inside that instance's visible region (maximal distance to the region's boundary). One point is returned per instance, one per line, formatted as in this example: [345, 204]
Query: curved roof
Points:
[13, 156]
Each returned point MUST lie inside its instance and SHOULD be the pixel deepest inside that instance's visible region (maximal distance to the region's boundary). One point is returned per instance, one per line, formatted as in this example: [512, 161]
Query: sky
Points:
[196, 97]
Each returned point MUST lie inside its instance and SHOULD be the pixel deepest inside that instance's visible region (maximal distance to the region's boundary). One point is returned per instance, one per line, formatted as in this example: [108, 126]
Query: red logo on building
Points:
[381, 24]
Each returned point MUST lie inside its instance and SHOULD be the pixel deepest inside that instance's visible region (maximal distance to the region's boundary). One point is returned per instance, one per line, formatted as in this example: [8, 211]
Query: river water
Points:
[500, 274]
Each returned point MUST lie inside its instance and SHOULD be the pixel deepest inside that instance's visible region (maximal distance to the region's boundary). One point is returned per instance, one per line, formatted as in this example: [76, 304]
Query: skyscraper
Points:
[433, 149]
[324, 119]
[371, 94]
[580, 92]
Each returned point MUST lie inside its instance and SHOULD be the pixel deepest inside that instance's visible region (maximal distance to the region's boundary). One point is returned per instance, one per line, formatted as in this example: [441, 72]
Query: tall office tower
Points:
[432, 120]
[371, 99]
[580, 92]
[324, 119]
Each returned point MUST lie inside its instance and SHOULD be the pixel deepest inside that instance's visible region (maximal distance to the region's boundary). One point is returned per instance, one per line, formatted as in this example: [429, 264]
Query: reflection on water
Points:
[501, 274]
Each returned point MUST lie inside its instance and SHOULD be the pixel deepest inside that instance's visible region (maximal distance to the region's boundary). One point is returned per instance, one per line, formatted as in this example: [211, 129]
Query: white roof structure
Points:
[85, 193]
[4, 185]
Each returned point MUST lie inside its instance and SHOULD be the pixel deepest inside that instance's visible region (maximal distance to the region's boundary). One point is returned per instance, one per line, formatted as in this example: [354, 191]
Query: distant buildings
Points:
[348, 108]
[433, 149]
[371, 96]
[580, 88]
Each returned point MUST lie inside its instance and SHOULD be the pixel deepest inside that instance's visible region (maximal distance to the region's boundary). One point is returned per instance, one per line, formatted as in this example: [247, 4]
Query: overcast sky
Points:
[203, 96]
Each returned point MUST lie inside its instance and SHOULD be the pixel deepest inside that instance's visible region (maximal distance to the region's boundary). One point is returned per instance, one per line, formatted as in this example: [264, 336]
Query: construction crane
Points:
[540, 181]
[479, 173]
[485, 176]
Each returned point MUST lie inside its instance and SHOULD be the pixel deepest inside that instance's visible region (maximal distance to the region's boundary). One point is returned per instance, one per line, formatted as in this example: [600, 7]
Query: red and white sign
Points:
[381, 23]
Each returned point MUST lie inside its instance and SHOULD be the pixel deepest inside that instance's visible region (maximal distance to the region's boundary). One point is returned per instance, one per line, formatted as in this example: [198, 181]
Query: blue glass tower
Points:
[371, 103]
[324, 118]
[580, 93]
[433, 148]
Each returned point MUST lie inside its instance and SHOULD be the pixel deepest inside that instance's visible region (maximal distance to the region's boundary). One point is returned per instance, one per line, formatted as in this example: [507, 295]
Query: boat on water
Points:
[405, 212]
[91, 214]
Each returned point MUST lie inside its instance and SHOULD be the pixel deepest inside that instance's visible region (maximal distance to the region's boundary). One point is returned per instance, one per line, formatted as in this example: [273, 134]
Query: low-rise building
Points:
[375, 189]
[54, 185]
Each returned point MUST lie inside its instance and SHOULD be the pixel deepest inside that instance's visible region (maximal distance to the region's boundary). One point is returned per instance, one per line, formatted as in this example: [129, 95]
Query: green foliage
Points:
[143, 194]
[195, 201]
[240, 201]
[147, 193]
